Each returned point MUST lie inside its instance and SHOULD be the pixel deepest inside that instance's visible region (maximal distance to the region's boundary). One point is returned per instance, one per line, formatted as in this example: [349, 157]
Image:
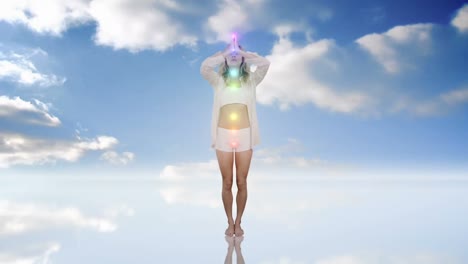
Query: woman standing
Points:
[234, 126]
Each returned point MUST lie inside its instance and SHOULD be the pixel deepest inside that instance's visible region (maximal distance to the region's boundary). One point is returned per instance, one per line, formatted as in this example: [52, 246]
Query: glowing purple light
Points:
[234, 42]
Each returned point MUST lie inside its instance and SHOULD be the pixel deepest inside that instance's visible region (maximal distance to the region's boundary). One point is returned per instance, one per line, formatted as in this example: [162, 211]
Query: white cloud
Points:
[45, 16]
[290, 80]
[456, 96]
[438, 105]
[278, 156]
[121, 24]
[325, 14]
[17, 218]
[118, 159]
[138, 25]
[19, 68]
[375, 14]
[31, 254]
[460, 21]
[272, 159]
[21, 149]
[232, 16]
[313, 70]
[35, 112]
[387, 48]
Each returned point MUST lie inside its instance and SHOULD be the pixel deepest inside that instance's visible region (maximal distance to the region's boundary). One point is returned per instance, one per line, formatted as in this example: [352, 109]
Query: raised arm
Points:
[261, 64]
[207, 69]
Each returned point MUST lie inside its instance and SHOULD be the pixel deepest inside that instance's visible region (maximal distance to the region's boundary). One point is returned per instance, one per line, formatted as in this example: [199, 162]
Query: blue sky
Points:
[105, 132]
[115, 85]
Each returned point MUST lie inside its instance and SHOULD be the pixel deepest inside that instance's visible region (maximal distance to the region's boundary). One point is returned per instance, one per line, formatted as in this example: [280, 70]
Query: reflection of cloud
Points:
[118, 159]
[290, 204]
[283, 260]
[199, 184]
[16, 218]
[190, 171]
[30, 254]
[22, 149]
[20, 69]
[35, 112]
[199, 196]
[415, 258]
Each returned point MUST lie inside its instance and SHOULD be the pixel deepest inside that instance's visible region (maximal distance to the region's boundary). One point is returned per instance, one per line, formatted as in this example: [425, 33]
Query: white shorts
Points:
[233, 139]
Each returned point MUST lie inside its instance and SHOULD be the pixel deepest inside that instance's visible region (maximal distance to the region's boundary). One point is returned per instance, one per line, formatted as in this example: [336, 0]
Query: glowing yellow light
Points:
[234, 85]
[233, 116]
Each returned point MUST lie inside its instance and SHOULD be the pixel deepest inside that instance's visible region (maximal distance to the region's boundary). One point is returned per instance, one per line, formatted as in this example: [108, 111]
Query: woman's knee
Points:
[227, 184]
[241, 183]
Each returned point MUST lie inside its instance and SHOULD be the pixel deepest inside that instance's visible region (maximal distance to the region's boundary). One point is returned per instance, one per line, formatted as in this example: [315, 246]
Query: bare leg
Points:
[225, 161]
[243, 159]
[230, 240]
[237, 247]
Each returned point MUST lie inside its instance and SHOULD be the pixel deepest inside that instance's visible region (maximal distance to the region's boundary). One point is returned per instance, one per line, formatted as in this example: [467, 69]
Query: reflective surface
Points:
[163, 217]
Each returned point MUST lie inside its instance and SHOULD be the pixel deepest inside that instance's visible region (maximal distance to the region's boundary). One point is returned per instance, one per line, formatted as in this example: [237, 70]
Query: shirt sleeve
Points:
[207, 69]
[259, 63]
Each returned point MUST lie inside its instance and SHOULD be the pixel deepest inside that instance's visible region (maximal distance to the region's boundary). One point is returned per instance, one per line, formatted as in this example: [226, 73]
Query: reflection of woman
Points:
[234, 126]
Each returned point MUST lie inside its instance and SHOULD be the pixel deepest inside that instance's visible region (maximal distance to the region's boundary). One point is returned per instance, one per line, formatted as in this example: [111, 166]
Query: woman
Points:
[234, 125]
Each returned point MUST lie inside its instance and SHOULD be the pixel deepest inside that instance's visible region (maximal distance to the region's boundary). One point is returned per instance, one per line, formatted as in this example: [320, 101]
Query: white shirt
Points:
[257, 67]
[231, 95]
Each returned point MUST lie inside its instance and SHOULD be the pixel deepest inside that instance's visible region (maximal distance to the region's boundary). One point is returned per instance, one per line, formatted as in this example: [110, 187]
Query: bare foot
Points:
[230, 230]
[238, 240]
[230, 241]
[238, 230]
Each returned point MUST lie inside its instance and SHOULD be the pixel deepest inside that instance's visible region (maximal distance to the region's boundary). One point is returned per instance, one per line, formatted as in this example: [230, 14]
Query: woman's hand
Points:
[229, 49]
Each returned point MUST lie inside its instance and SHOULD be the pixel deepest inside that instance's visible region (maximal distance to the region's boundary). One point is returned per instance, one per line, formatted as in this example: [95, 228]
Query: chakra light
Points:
[234, 42]
[234, 116]
[234, 72]
[234, 85]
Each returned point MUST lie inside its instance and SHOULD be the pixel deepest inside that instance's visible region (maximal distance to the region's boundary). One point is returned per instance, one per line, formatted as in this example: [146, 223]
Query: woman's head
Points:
[234, 66]
[234, 59]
